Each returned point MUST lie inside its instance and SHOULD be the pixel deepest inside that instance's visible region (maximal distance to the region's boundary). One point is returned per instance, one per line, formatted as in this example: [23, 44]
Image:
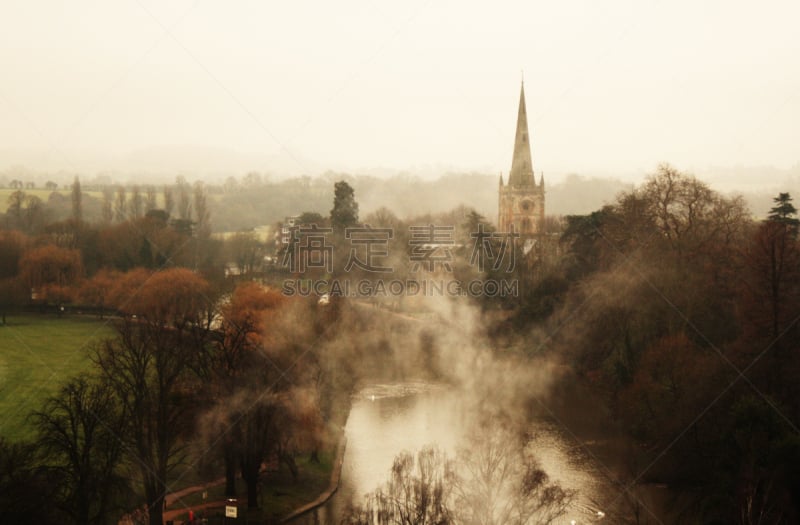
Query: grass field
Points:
[37, 355]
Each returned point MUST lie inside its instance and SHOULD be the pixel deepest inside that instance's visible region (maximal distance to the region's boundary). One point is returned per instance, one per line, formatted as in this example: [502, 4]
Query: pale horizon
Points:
[423, 87]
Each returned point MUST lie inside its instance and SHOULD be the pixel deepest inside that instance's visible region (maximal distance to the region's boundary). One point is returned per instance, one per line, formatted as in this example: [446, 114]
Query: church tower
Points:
[521, 201]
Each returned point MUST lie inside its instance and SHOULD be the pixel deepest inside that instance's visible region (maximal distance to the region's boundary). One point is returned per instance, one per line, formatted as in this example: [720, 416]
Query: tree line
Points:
[681, 310]
[201, 374]
[676, 306]
[189, 382]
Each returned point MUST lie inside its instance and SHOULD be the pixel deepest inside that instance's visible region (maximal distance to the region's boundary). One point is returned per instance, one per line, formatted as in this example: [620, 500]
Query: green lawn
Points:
[37, 355]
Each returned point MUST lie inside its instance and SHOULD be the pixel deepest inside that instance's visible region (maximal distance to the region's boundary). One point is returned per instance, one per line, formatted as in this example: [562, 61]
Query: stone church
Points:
[521, 199]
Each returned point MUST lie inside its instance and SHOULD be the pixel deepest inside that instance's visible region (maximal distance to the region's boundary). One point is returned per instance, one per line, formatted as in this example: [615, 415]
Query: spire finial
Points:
[522, 76]
[521, 173]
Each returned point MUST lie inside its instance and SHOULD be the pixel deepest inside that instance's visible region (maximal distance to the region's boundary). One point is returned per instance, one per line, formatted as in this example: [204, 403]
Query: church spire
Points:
[521, 165]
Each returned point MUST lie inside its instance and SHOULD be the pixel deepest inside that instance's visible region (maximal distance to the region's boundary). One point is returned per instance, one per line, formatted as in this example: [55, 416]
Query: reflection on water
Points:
[569, 464]
[386, 419]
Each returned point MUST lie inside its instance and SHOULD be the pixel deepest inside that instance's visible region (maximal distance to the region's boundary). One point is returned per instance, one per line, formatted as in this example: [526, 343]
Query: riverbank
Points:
[282, 498]
[336, 474]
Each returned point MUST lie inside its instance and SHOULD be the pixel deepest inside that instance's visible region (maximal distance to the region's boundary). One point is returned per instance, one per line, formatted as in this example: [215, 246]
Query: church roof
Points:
[521, 164]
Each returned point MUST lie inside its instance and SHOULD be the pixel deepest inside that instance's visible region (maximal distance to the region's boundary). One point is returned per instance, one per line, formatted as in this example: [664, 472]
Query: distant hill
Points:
[267, 198]
[405, 195]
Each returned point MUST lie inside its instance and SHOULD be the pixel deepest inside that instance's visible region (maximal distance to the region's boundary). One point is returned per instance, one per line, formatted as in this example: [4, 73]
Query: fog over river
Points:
[388, 418]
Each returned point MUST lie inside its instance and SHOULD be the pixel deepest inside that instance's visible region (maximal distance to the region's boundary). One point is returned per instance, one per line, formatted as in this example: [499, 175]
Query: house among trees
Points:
[286, 230]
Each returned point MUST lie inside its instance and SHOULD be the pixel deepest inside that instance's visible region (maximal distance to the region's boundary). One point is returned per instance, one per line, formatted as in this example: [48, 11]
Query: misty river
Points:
[386, 419]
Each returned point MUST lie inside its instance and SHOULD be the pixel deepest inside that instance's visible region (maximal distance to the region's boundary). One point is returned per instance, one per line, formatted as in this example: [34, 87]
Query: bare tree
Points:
[149, 365]
[245, 250]
[202, 214]
[77, 205]
[79, 433]
[184, 199]
[501, 482]
[136, 203]
[256, 417]
[107, 210]
[256, 430]
[25, 489]
[230, 185]
[690, 215]
[121, 205]
[14, 210]
[495, 480]
[418, 492]
[34, 216]
[169, 200]
[150, 202]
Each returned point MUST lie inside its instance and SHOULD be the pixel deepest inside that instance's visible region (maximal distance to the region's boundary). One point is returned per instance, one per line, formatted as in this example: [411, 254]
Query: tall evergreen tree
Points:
[169, 200]
[107, 209]
[783, 211]
[77, 204]
[345, 207]
[136, 202]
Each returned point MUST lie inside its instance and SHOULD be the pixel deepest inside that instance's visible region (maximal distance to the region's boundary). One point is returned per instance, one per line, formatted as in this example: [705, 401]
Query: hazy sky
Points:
[612, 86]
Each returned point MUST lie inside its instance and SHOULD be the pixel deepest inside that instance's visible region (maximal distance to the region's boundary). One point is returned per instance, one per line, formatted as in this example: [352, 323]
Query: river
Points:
[386, 419]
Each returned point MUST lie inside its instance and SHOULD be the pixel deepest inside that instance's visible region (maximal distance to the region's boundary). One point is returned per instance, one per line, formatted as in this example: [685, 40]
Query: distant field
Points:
[37, 354]
[41, 193]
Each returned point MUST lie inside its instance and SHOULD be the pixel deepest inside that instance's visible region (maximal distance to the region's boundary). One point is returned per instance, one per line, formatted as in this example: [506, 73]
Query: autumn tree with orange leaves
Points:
[244, 319]
[263, 408]
[97, 290]
[12, 290]
[151, 365]
[51, 272]
[255, 414]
